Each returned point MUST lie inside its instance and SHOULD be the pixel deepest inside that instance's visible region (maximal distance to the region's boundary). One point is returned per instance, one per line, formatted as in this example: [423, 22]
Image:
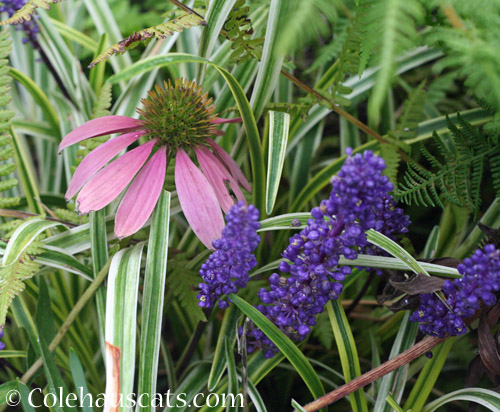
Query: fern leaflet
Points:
[25, 13]
[457, 171]
[183, 21]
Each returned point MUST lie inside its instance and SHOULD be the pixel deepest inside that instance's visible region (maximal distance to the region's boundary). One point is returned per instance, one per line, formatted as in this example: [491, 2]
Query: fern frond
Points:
[413, 113]
[238, 30]
[392, 158]
[457, 171]
[7, 162]
[390, 26]
[185, 20]
[25, 12]
[183, 283]
[12, 278]
[103, 101]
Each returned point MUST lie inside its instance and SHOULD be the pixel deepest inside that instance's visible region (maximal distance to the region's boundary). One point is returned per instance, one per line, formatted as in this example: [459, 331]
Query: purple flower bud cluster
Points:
[2, 345]
[228, 267]
[30, 28]
[359, 201]
[480, 281]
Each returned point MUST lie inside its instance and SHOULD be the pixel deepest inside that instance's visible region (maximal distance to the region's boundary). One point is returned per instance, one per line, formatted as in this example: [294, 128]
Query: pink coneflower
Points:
[177, 121]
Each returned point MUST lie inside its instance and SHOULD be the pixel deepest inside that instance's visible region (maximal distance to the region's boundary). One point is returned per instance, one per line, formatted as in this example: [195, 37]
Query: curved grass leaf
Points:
[428, 377]
[227, 331]
[394, 382]
[279, 124]
[391, 247]
[24, 235]
[121, 313]
[285, 222]
[347, 351]
[484, 397]
[79, 379]
[284, 344]
[272, 55]
[5, 389]
[217, 13]
[152, 301]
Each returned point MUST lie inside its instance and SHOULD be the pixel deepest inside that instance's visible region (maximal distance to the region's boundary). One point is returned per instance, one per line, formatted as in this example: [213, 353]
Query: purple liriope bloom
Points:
[479, 282]
[30, 28]
[359, 201]
[2, 345]
[227, 269]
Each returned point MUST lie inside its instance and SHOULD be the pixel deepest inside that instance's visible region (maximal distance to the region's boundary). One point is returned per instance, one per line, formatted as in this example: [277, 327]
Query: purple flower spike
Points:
[359, 201]
[2, 345]
[227, 269]
[480, 282]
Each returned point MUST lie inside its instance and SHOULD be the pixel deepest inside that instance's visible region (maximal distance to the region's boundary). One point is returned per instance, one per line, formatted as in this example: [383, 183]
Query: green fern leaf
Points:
[457, 171]
[392, 158]
[390, 26]
[12, 278]
[238, 30]
[25, 12]
[182, 284]
[177, 24]
[7, 162]
[413, 113]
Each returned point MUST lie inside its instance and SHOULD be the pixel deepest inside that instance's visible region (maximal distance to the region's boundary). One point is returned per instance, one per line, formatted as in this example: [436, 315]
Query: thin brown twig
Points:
[391, 365]
[26, 215]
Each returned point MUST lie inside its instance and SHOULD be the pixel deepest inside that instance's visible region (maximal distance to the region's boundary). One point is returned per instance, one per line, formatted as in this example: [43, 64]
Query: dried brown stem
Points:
[391, 365]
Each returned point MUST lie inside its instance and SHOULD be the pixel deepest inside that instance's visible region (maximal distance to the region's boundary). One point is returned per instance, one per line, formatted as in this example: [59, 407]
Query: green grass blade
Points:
[5, 391]
[484, 397]
[99, 251]
[121, 314]
[428, 377]
[24, 235]
[347, 351]
[394, 382]
[40, 98]
[216, 16]
[26, 174]
[79, 379]
[227, 330]
[284, 344]
[279, 124]
[391, 247]
[272, 56]
[152, 301]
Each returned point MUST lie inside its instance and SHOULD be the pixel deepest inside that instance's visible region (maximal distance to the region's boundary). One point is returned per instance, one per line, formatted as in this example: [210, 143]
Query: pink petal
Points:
[99, 127]
[218, 175]
[198, 200]
[142, 195]
[220, 120]
[230, 165]
[106, 185]
[97, 158]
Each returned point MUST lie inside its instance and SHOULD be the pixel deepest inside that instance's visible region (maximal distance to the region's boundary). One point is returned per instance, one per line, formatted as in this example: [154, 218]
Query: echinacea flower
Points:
[177, 122]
